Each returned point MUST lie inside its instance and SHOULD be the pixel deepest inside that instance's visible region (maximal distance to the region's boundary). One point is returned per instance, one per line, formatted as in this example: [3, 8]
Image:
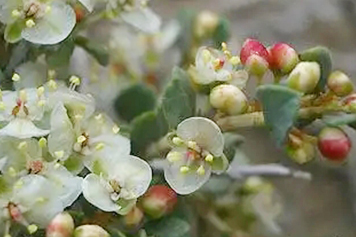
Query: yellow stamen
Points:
[15, 13]
[81, 139]
[235, 60]
[51, 74]
[224, 46]
[32, 229]
[193, 145]
[41, 103]
[174, 156]
[52, 84]
[12, 172]
[209, 158]
[30, 23]
[75, 80]
[184, 169]
[115, 129]
[42, 142]
[23, 96]
[177, 141]
[2, 105]
[40, 91]
[48, 9]
[16, 77]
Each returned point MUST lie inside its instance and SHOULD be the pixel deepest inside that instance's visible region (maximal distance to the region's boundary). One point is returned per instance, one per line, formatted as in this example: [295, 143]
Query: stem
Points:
[256, 119]
[267, 170]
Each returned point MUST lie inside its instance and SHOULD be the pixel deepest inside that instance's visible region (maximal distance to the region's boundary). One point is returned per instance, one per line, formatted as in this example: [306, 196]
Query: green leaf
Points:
[13, 32]
[322, 56]
[222, 32]
[280, 108]
[231, 142]
[98, 51]
[59, 55]
[168, 227]
[146, 129]
[134, 101]
[178, 102]
[340, 119]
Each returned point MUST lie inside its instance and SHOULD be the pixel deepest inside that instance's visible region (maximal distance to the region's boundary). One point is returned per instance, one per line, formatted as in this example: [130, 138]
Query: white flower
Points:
[40, 22]
[212, 65]
[20, 110]
[27, 157]
[116, 183]
[198, 152]
[96, 136]
[32, 202]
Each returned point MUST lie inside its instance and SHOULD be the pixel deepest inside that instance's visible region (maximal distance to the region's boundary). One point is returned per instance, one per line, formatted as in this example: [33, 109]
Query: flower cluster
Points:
[48, 136]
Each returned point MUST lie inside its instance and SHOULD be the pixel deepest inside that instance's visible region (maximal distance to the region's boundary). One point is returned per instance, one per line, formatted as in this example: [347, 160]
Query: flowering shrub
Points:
[117, 149]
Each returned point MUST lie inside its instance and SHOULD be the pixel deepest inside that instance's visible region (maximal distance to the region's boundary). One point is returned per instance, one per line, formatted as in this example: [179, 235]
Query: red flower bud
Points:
[334, 144]
[283, 57]
[255, 57]
[159, 201]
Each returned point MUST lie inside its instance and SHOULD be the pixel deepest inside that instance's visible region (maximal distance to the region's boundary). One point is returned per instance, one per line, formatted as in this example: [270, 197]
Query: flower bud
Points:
[255, 57]
[206, 23]
[340, 84]
[334, 144]
[283, 57]
[90, 231]
[303, 153]
[304, 77]
[228, 99]
[61, 226]
[134, 217]
[159, 200]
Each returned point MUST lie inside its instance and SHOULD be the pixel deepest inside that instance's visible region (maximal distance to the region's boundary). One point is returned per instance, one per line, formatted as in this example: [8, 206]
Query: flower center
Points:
[82, 142]
[34, 167]
[14, 212]
[20, 110]
[219, 63]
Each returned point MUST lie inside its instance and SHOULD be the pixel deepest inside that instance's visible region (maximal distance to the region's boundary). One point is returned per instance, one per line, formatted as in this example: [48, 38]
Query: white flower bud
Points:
[61, 226]
[304, 77]
[340, 83]
[90, 231]
[228, 99]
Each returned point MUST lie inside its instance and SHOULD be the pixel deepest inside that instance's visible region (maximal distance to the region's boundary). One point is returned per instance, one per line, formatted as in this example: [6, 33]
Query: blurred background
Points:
[324, 207]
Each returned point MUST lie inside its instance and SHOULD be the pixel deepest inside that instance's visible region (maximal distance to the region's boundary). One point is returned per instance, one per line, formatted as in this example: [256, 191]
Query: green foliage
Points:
[134, 101]
[322, 56]
[280, 107]
[232, 141]
[177, 104]
[168, 227]
[340, 119]
[59, 55]
[98, 51]
[222, 32]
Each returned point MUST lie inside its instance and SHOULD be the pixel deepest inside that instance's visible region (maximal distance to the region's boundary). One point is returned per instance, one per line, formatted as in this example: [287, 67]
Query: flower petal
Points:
[69, 186]
[144, 19]
[220, 164]
[88, 4]
[54, 27]
[22, 128]
[185, 183]
[204, 132]
[62, 137]
[134, 173]
[39, 198]
[95, 193]
[126, 206]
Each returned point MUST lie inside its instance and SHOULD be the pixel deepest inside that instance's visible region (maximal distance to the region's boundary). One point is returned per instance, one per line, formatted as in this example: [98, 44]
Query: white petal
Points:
[88, 4]
[74, 164]
[54, 27]
[95, 193]
[113, 143]
[126, 206]
[144, 19]
[75, 102]
[204, 132]
[22, 128]
[69, 186]
[9, 98]
[134, 173]
[185, 183]
[33, 74]
[3, 163]
[62, 137]
[169, 35]
[40, 198]
[6, 8]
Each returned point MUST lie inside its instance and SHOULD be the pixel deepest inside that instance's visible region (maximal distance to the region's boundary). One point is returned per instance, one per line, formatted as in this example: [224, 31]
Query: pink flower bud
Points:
[255, 57]
[340, 84]
[90, 231]
[61, 226]
[228, 99]
[283, 57]
[159, 200]
[334, 144]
